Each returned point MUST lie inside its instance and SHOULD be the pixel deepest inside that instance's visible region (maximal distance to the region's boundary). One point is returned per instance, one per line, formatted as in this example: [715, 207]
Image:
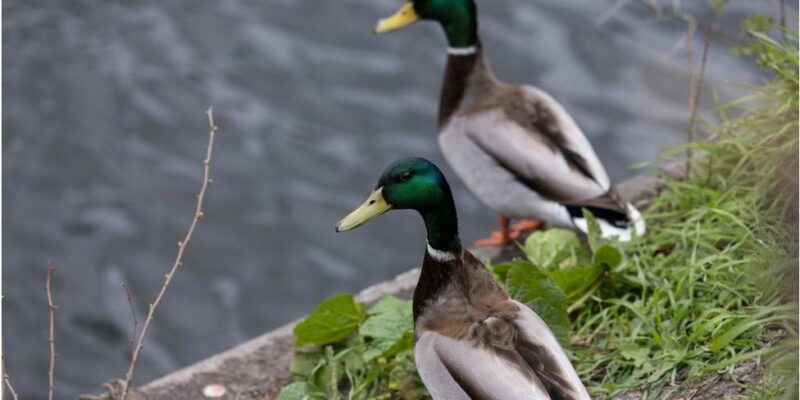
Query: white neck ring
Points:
[440, 255]
[462, 51]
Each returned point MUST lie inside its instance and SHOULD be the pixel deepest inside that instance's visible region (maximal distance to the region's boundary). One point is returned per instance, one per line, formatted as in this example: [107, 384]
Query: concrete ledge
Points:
[259, 368]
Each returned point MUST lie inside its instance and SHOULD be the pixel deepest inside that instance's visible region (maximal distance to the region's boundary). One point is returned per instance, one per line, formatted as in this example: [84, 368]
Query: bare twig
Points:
[676, 6]
[692, 99]
[52, 311]
[695, 89]
[135, 324]
[655, 6]
[674, 12]
[7, 380]
[783, 20]
[607, 14]
[198, 214]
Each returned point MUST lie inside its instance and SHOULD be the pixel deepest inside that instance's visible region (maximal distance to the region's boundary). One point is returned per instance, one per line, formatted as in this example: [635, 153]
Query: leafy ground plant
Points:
[362, 355]
[356, 354]
[712, 285]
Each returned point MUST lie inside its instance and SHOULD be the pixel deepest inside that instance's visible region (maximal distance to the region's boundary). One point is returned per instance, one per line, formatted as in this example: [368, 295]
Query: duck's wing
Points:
[532, 136]
[540, 349]
[508, 361]
[458, 370]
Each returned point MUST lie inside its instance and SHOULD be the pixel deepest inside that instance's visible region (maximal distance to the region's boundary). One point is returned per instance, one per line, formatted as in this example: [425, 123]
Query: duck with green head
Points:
[471, 340]
[514, 146]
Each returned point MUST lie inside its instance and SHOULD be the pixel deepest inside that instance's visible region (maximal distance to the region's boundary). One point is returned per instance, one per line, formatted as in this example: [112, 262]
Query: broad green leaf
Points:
[304, 362]
[532, 286]
[388, 348]
[298, 391]
[390, 319]
[555, 316]
[575, 282]
[499, 271]
[389, 304]
[335, 319]
[554, 248]
[607, 255]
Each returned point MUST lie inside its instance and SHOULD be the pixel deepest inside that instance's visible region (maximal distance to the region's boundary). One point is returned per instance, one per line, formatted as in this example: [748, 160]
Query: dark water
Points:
[104, 132]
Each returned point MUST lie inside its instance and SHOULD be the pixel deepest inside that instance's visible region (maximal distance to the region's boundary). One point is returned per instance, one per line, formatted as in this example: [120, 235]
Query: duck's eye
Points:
[405, 177]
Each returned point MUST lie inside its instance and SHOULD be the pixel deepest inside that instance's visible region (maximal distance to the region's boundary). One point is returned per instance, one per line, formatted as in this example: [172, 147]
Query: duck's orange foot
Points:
[497, 238]
[504, 236]
[525, 225]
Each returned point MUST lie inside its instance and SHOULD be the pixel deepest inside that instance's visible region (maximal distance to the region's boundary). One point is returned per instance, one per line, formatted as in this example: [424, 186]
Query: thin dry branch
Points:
[675, 13]
[135, 321]
[610, 12]
[52, 312]
[782, 11]
[695, 89]
[7, 380]
[692, 99]
[198, 214]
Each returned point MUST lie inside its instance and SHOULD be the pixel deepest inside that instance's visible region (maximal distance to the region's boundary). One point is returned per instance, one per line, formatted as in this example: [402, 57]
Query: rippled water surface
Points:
[104, 132]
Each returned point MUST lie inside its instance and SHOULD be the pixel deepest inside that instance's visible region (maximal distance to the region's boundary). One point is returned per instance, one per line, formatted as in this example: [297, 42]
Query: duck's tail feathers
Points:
[616, 217]
[636, 220]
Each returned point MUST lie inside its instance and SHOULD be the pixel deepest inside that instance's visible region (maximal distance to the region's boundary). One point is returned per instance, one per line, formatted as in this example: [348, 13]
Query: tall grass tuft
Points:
[713, 284]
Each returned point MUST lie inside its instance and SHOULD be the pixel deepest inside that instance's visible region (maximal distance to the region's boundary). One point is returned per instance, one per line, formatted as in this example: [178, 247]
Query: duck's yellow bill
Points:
[403, 17]
[371, 209]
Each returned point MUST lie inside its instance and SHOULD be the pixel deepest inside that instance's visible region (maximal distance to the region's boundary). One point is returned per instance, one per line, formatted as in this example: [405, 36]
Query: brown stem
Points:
[692, 104]
[135, 324]
[676, 13]
[52, 312]
[783, 20]
[198, 214]
[7, 380]
[695, 89]
[607, 14]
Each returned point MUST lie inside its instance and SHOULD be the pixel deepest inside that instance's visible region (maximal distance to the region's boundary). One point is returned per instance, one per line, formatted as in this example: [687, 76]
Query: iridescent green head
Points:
[458, 18]
[416, 184]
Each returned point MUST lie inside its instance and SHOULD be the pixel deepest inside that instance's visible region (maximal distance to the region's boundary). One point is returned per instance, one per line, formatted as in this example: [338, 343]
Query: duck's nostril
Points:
[371, 202]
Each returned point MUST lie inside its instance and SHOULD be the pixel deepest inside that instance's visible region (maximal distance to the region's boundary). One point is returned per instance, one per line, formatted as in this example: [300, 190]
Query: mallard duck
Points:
[471, 340]
[515, 147]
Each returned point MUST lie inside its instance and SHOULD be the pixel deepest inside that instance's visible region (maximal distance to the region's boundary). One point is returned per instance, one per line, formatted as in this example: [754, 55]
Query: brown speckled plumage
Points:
[459, 299]
[523, 132]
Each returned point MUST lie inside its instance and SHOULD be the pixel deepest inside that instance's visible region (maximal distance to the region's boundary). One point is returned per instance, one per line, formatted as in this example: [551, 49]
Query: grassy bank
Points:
[713, 283]
[710, 287]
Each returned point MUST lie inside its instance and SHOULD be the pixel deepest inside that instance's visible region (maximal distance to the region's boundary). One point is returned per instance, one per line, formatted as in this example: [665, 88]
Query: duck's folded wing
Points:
[540, 349]
[456, 370]
[537, 141]
[610, 207]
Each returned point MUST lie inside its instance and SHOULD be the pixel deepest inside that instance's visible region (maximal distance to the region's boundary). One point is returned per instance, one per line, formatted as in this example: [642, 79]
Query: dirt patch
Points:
[720, 386]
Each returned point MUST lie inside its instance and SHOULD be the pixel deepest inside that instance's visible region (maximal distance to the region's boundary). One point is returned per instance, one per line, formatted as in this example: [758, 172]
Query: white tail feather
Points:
[636, 218]
[635, 226]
